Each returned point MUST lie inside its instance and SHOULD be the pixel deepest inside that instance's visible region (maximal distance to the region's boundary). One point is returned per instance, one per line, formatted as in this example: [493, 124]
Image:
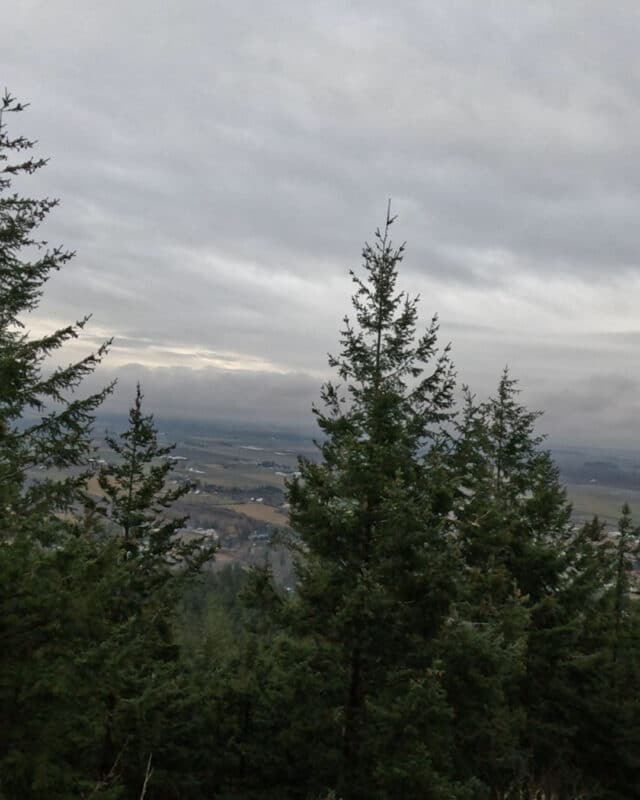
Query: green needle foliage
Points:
[50, 579]
[43, 423]
[540, 613]
[375, 572]
[136, 494]
[627, 548]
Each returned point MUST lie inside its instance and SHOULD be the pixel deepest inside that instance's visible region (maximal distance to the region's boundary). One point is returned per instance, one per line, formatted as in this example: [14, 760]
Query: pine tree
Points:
[43, 423]
[483, 646]
[511, 509]
[515, 528]
[606, 660]
[55, 641]
[620, 683]
[50, 619]
[136, 494]
[627, 548]
[154, 561]
[522, 553]
[375, 576]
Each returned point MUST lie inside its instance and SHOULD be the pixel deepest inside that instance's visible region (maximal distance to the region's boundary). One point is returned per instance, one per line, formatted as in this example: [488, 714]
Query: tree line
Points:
[451, 634]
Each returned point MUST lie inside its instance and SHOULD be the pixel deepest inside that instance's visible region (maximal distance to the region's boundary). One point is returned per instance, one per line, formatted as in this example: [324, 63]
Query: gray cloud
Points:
[221, 164]
[215, 395]
[598, 409]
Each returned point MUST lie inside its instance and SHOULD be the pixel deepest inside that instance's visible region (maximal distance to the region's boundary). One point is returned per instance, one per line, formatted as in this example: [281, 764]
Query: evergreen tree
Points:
[136, 494]
[136, 504]
[523, 557]
[43, 423]
[483, 646]
[156, 558]
[512, 512]
[375, 574]
[603, 663]
[50, 618]
[627, 547]
[54, 636]
[615, 764]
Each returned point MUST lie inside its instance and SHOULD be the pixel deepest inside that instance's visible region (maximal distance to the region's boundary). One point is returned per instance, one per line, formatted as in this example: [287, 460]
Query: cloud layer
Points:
[221, 164]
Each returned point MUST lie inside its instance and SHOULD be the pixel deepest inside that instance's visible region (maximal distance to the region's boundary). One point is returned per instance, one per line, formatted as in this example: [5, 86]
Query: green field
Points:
[232, 469]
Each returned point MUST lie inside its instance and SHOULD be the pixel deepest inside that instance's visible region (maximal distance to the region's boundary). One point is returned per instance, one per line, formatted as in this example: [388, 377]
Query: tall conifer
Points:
[374, 580]
[49, 616]
[136, 488]
[43, 423]
[522, 553]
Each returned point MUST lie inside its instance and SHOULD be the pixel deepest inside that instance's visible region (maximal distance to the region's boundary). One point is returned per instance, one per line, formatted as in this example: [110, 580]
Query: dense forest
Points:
[451, 634]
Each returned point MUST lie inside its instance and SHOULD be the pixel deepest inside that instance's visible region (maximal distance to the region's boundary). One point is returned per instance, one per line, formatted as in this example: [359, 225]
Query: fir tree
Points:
[156, 558]
[522, 554]
[136, 494]
[43, 423]
[50, 620]
[375, 576]
[512, 511]
[605, 665]
[627, 547]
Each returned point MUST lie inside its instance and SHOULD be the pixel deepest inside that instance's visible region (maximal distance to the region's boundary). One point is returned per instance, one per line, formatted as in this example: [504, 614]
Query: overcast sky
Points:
[221, 163]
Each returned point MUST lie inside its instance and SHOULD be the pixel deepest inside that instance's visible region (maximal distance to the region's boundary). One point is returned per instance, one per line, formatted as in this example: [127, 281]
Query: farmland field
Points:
[238, 479]
[604, 501]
